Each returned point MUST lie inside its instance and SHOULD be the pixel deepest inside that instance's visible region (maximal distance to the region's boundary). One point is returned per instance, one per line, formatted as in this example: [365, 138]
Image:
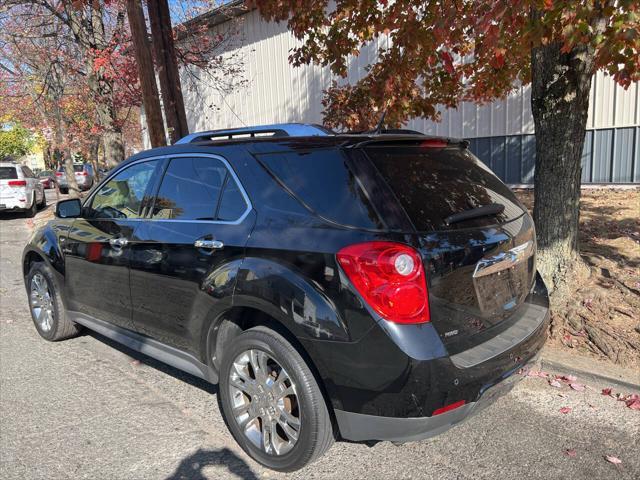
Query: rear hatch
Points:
[476, 239]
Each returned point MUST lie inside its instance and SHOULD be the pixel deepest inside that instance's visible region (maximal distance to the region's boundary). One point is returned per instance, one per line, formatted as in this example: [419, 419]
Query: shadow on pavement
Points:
[191, 467]
[151, 362]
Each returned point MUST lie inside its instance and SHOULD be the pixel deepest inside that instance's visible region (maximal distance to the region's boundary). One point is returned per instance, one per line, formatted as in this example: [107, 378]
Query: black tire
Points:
[33, 209]
[61, 327]
[316, 432]
[43, 203]
[64, 190]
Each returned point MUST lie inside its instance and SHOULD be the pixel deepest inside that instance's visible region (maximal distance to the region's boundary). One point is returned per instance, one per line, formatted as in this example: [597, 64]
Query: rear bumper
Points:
[359, 427]
[390, 395]
[10, 203]
[84, 184]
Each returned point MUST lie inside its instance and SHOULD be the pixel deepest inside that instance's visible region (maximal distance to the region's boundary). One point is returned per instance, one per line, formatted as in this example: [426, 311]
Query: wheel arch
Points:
[242, 318]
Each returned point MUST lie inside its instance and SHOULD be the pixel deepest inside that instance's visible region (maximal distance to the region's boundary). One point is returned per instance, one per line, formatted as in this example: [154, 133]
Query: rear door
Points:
[33, 186]
[180, 270]
[98, 247]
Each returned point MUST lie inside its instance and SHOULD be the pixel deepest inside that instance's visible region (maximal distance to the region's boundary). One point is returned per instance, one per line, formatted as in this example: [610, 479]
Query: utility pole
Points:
[150, 99]
[167, 66]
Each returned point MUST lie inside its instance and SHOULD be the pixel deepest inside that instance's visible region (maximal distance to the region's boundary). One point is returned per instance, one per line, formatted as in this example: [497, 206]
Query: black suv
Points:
[376, 286]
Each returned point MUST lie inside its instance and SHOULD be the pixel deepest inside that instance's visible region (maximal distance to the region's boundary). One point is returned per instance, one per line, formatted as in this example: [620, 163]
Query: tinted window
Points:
[8, 173]
[433, 183]
[190, 189]
[121, 197]
[232, 204]
[323, 182]
[78, 167]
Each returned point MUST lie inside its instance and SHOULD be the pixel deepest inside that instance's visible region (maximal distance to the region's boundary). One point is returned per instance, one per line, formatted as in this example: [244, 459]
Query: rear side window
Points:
[433, 183]
[323, 182]
[8, 173]
[232, 203]
[190, 189]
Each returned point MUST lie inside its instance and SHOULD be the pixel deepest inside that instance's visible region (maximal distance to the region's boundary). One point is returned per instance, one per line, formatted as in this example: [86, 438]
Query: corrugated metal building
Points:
[501, 133]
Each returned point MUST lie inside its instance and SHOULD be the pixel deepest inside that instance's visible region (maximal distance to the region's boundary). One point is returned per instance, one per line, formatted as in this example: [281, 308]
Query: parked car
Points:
[83, 173]
[364, 287]
[20, 190]
[47, 179]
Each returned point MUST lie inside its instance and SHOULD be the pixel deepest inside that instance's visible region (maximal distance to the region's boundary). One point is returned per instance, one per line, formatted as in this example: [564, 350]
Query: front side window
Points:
[190, 189]
[122, 196]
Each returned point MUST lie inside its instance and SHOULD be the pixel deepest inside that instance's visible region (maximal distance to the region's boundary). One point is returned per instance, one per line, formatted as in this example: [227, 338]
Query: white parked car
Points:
[20, 189]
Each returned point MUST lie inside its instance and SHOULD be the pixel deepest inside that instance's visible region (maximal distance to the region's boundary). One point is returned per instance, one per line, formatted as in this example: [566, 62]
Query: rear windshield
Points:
[322, 181]
[433, 183]
[8, 173]
[76, 168]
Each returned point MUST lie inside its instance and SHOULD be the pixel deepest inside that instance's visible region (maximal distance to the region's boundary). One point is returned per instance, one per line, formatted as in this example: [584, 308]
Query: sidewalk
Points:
[565, 362]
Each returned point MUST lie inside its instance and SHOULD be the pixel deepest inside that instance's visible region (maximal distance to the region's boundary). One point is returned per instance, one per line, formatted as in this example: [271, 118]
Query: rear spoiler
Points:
[388, 139]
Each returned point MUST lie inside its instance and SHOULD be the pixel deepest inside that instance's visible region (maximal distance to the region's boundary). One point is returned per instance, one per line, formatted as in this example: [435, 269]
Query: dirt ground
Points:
[599, 313]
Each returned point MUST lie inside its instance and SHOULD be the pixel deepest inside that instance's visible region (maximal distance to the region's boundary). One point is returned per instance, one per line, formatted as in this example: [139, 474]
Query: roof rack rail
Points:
[276, 130]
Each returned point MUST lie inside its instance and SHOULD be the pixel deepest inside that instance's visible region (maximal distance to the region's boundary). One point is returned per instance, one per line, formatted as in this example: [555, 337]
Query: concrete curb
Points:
[586, 368]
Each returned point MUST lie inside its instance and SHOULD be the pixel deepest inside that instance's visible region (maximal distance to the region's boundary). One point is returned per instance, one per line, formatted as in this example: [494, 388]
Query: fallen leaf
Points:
[633, 404]
[135, 362]
[570, 452]
[578, 387]
[607, 391]
[565, 410]
[555, 384]
[567, 378]
[612, 459]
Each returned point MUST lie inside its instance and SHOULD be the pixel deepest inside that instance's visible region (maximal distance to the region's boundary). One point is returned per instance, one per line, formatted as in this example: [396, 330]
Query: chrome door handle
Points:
[208, 244]
[118, 242]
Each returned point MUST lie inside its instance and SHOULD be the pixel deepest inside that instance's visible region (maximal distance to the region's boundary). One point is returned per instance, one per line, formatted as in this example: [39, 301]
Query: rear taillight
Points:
[17, 183]
[58, 174]
[84, 174]
[390, 278]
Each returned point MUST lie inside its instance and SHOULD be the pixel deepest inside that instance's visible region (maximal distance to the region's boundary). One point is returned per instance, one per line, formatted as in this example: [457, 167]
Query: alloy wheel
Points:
[41, 302]
[264, 402]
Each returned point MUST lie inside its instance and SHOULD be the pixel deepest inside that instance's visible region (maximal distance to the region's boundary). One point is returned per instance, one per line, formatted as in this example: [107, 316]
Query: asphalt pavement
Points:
[87, 408]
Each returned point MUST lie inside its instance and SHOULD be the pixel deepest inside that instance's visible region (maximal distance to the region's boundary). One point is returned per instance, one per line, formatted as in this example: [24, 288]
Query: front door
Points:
[98, 246]
[182, 263]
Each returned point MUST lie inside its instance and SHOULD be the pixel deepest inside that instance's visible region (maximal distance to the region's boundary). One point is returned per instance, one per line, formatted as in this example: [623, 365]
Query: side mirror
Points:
[69, 208]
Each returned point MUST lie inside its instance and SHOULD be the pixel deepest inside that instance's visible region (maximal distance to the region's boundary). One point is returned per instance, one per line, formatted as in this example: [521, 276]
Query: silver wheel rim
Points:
[264, 402]
[41, 302]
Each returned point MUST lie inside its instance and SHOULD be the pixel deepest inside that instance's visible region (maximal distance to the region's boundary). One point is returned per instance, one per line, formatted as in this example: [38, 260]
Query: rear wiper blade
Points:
[484, 211]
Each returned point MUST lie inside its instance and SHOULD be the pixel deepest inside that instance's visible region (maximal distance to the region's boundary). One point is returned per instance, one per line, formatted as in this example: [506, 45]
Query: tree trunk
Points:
[60, 136]
[150, 100]
[95, 150]
[167, 66]
[113, 148]
[560, 103]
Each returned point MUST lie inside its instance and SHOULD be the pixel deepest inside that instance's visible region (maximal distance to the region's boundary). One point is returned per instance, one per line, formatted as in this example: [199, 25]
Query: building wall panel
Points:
[623, 154]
